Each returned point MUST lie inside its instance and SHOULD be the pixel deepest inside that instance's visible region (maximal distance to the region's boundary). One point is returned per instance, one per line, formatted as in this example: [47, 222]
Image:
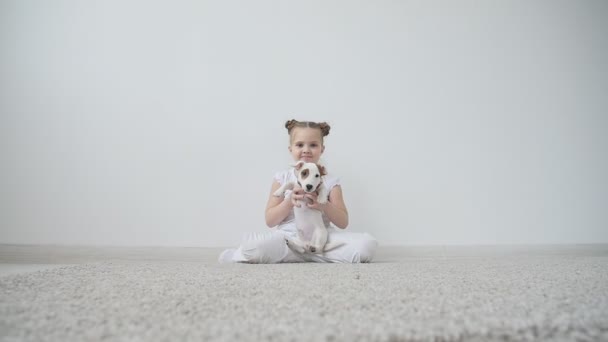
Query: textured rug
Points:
[541, 297]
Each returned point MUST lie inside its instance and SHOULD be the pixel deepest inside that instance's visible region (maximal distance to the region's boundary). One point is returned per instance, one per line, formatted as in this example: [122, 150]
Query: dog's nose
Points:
[308, 187]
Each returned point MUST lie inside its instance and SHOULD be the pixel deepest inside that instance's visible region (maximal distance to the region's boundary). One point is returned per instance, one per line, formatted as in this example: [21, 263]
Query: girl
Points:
[305, 144]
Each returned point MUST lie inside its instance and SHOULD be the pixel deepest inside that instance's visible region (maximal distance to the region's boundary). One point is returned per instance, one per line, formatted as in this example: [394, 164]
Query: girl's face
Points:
[306, 144]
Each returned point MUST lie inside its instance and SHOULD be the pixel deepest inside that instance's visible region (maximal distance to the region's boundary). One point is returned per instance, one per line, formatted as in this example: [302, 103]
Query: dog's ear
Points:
[322, 169]
[299, 165]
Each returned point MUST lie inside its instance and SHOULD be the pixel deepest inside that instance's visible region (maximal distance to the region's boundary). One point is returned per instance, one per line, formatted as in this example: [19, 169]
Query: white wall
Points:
[161, 122]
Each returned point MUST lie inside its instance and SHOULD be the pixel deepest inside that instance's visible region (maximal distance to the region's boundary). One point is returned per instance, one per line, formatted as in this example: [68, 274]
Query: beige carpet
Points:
[548, 293]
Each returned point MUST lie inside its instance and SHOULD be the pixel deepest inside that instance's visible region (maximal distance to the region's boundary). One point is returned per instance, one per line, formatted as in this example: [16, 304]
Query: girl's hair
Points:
[323, 126]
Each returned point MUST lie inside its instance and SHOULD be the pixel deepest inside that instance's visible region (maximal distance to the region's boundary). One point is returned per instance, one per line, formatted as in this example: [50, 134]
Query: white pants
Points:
[270, 248]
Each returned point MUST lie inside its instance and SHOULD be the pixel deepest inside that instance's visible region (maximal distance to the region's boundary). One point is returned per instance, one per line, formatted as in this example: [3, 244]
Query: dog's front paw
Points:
[280, 192]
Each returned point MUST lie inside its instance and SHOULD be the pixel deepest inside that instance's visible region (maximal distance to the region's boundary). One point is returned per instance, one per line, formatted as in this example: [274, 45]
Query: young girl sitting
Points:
[305, 144]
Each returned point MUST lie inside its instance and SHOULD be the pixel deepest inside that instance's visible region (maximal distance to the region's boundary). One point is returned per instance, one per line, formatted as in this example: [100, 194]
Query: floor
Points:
[447, 293]
[30, 258]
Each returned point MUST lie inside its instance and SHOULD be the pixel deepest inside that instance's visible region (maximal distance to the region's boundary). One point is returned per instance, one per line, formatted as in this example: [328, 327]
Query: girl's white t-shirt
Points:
[289, 175]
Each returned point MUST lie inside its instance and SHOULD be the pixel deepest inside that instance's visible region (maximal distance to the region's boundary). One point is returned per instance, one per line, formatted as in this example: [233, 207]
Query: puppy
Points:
[312, 233]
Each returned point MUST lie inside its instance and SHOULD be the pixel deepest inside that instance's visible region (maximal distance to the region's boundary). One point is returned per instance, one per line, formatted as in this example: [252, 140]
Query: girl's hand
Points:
[315, 205]
[297, 194]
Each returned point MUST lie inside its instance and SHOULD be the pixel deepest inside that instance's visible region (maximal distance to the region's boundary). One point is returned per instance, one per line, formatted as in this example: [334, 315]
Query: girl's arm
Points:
[277, 208]
[335, 209]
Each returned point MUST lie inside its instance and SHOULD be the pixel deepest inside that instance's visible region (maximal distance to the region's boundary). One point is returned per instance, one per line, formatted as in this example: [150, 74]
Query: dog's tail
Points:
[332, 245]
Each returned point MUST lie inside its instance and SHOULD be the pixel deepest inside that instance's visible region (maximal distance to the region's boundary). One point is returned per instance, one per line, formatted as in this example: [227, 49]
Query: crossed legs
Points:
[270, 247]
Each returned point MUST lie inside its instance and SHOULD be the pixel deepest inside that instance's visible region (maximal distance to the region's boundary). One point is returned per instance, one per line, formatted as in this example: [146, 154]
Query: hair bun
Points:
[324, 128]
[290, 124]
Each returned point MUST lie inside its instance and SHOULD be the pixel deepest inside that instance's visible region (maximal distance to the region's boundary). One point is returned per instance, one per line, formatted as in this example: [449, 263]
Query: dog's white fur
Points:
[312, 233]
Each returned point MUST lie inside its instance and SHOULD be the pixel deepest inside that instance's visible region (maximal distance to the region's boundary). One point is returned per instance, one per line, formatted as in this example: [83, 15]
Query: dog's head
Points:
[310, 175]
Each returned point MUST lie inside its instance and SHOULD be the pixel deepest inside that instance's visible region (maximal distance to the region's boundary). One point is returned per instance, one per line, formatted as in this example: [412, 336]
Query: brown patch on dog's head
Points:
[304, 174]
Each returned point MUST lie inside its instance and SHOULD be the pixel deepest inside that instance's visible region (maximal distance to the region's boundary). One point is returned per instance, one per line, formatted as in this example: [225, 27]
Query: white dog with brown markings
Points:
[312, 233]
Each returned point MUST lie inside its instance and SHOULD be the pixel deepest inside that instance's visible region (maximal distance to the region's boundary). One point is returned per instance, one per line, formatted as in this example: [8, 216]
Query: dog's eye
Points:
[317, 176]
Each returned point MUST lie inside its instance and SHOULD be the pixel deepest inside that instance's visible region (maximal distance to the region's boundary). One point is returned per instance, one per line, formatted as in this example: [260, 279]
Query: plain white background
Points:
[161, 122]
